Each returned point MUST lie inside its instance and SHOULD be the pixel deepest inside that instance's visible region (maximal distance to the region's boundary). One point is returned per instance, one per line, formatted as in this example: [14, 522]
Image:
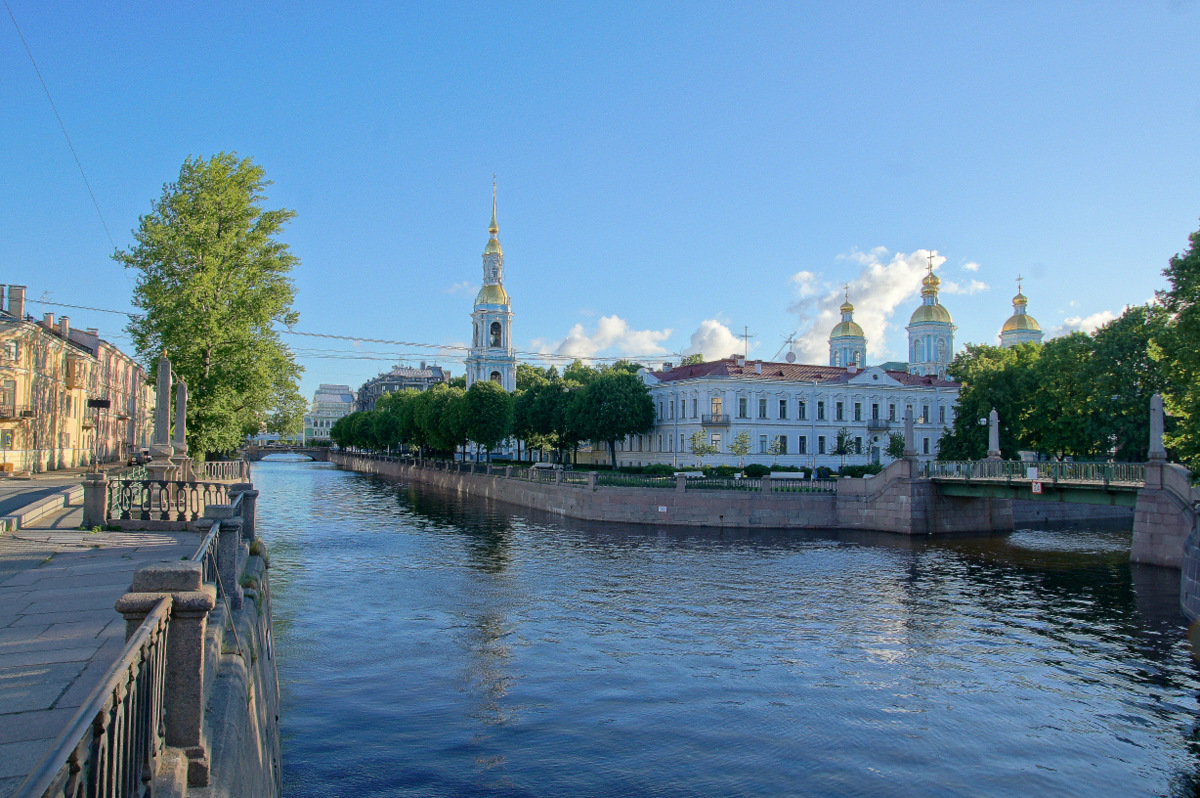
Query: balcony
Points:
[878, 425]
[9, 412]
[714, 420]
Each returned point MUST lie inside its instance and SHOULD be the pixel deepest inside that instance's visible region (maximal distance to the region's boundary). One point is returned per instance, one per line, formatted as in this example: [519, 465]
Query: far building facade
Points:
[491, 356]
[400, 378]
[330, 402]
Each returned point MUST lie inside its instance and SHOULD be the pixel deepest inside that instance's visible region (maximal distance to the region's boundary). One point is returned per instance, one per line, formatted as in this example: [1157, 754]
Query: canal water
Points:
[430, 645]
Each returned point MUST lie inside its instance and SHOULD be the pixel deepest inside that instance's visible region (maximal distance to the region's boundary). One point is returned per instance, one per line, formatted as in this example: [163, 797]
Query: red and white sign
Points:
[1036, 486]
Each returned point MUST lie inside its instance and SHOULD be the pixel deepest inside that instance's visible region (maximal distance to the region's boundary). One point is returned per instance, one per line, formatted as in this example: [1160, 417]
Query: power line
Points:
[61, 126]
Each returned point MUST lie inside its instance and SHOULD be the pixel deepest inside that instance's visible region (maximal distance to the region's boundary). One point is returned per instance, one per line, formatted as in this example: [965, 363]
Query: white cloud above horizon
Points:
[714, 341]
[611, 334]
[1087, 324]
[885, 280]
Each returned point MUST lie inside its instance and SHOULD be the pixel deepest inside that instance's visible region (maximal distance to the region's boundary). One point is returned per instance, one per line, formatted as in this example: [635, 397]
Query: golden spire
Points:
[493, 228]
[847, 307]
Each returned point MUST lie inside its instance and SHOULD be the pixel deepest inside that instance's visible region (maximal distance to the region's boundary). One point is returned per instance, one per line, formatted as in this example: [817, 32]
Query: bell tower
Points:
[491, 354]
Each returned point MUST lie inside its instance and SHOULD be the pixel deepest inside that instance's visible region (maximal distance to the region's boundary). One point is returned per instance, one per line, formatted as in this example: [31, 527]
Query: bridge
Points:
[1077, 483]
[254, 453]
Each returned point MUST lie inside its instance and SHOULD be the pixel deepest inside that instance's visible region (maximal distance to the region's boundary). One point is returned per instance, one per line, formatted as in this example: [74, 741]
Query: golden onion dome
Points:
[931, 282]
[493, 248]
[1021, 322]
[1020, 299]
[847, 307]
[847, 328]
[936, 312]
[492, 294]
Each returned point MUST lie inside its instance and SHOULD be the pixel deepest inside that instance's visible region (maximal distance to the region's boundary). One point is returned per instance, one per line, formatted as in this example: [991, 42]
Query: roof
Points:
[847, 328]
[492, 294]
[786, 372]
[1021, 321]
[935, 312]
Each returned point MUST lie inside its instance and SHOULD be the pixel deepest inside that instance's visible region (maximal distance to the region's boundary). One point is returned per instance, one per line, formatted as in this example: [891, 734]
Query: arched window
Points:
[495, 328]
[495, 377]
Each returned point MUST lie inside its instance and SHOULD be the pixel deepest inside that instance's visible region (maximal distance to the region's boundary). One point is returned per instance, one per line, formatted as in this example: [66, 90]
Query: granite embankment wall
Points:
[892, 501]
[1030, 511]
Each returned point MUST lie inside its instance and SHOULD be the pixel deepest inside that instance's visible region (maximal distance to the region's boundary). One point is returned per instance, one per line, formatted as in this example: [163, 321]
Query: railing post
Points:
[249, 507]
[766, 483]
[680, 483]
[591, 480]
[95, 499]
[229, 538]
[183, 699]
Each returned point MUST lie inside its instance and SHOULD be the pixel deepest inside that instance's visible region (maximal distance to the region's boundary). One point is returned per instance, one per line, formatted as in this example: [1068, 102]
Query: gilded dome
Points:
[847, 328]
[1019, 322]
[936, 312]
[492, 295]
[493, 248]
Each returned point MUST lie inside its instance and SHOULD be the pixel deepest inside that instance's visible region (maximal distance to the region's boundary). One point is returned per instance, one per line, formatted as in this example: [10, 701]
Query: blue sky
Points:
[669, 174]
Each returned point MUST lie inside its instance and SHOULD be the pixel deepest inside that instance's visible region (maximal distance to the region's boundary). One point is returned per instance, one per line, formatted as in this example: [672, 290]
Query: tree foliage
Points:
[1180, 347]
[700, 447]
[213, 280]
[614, 404]
[488, 414]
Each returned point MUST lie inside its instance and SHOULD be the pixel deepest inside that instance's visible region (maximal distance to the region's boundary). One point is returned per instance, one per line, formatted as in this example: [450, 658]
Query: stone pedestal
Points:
[183, 695]
[249, 507]
[95, 499]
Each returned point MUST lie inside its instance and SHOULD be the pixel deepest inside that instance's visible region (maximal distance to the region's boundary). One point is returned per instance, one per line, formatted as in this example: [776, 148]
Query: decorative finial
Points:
[847, 286]
[1018, 283]
[930, 256]
[493, 228]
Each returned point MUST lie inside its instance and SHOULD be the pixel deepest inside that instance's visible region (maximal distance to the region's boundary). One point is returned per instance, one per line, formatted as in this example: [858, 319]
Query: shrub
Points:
[859, 471]
[756, 470]
[824, 472]
[722, 471]
[659, 470]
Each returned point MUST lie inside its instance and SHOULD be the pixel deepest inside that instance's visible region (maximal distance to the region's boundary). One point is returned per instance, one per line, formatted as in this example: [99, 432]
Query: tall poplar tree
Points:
[213, 280]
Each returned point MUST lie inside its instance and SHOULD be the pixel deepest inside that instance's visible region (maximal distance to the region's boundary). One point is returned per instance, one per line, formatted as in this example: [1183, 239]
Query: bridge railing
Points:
[1018, 471]
[162, 500]
[225, 471]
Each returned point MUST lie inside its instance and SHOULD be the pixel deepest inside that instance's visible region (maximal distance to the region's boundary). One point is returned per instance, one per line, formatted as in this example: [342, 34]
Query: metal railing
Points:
[226, 470]
[714, 418]
[618, 480]
[111, 746]
[163, 500]
[1131, 474]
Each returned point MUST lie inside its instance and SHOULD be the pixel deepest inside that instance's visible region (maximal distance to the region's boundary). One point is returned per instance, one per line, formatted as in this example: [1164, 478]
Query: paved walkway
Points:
[59, 633]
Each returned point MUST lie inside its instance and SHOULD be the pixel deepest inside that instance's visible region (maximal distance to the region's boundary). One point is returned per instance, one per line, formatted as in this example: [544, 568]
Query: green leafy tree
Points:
[579, 373]
[843, 444]
[895, 445]
[489, 414]
[991, 377]
[699, 446]
[213, 279]
[775, 448]
[739, 447]
[692, 360]
[611, 406]
[1180, 346]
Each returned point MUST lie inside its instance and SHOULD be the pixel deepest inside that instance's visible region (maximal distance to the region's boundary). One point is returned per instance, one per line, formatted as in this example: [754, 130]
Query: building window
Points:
[874, 411]
[838, 412]
[820, 411]
[783, 444]
[925, 442]
[762, 444]
[6, 439]
[715, 406]
[495, 377]
[891, 412]
[801, 410]
[694, 415]
[742, 410]
[802, 444]
[820, 444]
[858, 411]
[925, 417]
[660, 448]
[660, 411]
[858, 445]
[783, 408]
[681, 446]
[715, 440]
[495, 330]
[762, 408]
[942, 415]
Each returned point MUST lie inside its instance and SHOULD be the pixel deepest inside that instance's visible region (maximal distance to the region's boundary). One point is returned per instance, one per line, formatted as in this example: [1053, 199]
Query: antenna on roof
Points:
[746, 336]
[791, 339]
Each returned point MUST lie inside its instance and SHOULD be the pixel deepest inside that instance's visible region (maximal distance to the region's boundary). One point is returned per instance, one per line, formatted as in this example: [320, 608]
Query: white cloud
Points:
[970, 287]
[806, 283]
[1087, 324]
[714, 341]
[885, 280]
[613, 335]
[459, 288]
[970, 266]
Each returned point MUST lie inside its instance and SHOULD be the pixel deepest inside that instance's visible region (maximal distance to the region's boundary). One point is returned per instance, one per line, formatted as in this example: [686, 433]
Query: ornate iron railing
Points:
[226, 470]
[163, 500]
[619, 480]
[112, 745]
[1126, 474]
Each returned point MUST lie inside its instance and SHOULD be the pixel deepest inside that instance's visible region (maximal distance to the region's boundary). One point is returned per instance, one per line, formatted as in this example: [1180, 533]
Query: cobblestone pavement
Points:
[59, 633]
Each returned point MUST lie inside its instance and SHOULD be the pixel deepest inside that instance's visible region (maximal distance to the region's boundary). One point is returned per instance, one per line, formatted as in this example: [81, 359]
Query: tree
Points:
[611, 406]
[739, 447]
[489, 414]
[991, 377]
[843, 444]
[1180, 346]
[775, 448]
[692, 360]
[700, 446]
[213, 280]
[895, 445]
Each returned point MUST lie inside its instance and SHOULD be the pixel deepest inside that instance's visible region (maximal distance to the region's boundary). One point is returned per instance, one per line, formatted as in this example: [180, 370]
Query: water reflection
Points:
[493, 650]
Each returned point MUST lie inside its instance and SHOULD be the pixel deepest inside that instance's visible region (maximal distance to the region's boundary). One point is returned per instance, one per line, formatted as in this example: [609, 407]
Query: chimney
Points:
[741, 361]
[16, 302]
[852, 368]
[758, 367]
[48, 321]
[64, 327]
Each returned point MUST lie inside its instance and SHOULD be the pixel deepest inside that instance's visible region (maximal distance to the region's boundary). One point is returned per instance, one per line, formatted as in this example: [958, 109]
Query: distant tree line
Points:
[548, 411]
